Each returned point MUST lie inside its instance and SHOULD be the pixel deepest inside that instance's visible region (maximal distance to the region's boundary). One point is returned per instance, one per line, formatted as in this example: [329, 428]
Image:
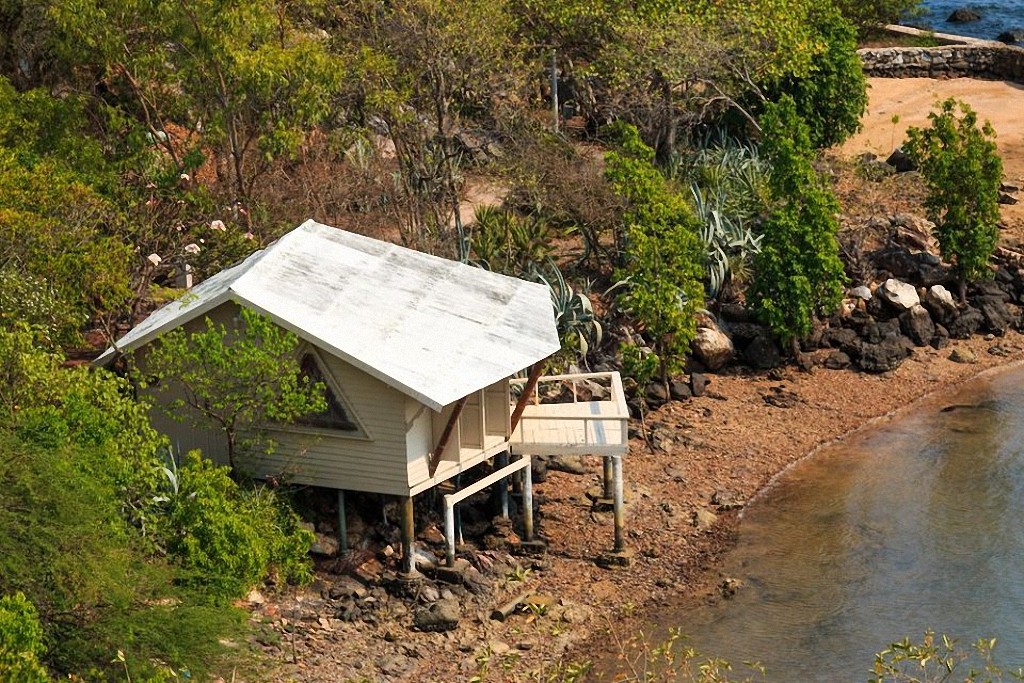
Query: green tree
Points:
[832, 96]
[663, 257]
[242, 379]
[436, 74]
[798, 273]
[962, 171]
[249, 78]
[21, 641]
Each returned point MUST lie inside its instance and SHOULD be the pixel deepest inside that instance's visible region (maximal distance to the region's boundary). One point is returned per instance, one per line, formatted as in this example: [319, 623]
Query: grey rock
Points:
[900, 161]
[679, 390]
[963, 356]
[918, 326]
[963, 15]
[965, 324]
[863, 292]
[837, 360]
[440, 616]
[713, 348]
[887, 355]
[699, 383]
[762, 353]
[571, 464]
[899, 295]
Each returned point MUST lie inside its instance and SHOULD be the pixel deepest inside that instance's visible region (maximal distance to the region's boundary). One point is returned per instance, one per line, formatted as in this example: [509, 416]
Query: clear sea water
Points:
[913, 525]
[996, 17]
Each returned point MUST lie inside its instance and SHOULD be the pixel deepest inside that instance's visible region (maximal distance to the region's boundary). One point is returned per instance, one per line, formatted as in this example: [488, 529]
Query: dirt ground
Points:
[724, 446]
[910, 100]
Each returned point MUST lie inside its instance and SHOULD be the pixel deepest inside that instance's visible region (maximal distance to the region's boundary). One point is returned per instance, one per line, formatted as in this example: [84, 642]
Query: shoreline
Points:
[705, 587]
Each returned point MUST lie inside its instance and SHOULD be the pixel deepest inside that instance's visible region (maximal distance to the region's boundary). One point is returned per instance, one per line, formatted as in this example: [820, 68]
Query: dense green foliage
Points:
[240, 380]
[225, 537]
[797, 273]
[92, 537]
[21, 641]
[832, 96]
[663, 258]
[962, 172]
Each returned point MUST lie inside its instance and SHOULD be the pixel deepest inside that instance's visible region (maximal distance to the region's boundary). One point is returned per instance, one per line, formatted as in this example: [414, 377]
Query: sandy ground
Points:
[911, 99]
[728, 444]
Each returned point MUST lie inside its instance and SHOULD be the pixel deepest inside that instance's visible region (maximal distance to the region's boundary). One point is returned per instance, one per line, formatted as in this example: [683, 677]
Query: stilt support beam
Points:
[452, 499]
[527, 502]
[619, 511]
[342, 524]
[408, 540]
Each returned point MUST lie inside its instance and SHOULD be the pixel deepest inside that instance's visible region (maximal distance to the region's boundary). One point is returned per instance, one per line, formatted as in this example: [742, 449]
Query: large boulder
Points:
[899, 295]
[966, 323]
[963, 15]
[918, 326]
[1014, 35]
[440, 616]
[762, 353]
[713, 348]
[900, 161]
[996, 315]
[887, 355]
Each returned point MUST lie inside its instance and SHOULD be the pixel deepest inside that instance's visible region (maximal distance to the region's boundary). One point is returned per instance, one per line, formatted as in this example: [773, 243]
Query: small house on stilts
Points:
[418, 356]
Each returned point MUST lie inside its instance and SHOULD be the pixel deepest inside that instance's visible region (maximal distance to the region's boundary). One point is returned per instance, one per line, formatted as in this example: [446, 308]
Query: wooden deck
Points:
[564, 418]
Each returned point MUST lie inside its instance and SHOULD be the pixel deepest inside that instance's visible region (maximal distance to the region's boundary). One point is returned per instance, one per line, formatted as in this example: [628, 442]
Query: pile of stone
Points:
[880, 323]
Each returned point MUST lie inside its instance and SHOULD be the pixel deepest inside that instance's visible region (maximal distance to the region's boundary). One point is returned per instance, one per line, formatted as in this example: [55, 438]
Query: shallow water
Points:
[917, 524]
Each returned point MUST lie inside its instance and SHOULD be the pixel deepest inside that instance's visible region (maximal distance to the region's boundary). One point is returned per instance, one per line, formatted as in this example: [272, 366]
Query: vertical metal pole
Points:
[342, 523]
[554, 89]
[608, 484]
[408, 536]
[528, 501]
[502, 484]
[620, 521]
[449, 532]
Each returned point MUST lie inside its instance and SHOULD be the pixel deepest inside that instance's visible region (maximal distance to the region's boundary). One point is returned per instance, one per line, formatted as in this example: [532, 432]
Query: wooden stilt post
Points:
[449, 534]
[501, 460]
[342, 524]
[527, 502]
[408, 539]
[609, 485]
[619, 512]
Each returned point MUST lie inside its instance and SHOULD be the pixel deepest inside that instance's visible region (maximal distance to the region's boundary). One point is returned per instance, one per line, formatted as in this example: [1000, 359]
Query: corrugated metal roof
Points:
[434, 329]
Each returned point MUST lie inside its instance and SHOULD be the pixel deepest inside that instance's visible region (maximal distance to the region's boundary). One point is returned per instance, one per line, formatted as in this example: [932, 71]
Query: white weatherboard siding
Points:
[331, 458]
[434, 329]
[467, 447]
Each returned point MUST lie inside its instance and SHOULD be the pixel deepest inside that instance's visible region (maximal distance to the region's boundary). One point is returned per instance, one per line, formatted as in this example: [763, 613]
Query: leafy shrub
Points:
[21, 641]
[962, 171]
[798, 273]
[240, 379]
[226, 538]
[663, 256]
[831, 98]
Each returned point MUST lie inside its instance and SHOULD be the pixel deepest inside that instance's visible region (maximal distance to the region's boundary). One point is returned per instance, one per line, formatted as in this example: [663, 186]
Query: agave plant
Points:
[729, 240]
[505, 242]
[574, 314]
[728, 181]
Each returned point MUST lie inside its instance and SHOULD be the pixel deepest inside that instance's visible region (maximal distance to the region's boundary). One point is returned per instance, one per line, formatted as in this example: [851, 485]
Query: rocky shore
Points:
[733, 427]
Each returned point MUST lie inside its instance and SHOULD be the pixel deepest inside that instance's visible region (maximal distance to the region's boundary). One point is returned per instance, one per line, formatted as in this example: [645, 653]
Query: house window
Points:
[334, 416]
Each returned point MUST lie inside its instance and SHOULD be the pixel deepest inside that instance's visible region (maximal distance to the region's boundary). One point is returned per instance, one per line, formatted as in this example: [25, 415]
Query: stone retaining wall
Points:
[1005, 63]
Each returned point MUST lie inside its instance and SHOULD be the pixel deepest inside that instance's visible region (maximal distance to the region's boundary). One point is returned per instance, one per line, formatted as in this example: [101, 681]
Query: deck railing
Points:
[572, 417]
